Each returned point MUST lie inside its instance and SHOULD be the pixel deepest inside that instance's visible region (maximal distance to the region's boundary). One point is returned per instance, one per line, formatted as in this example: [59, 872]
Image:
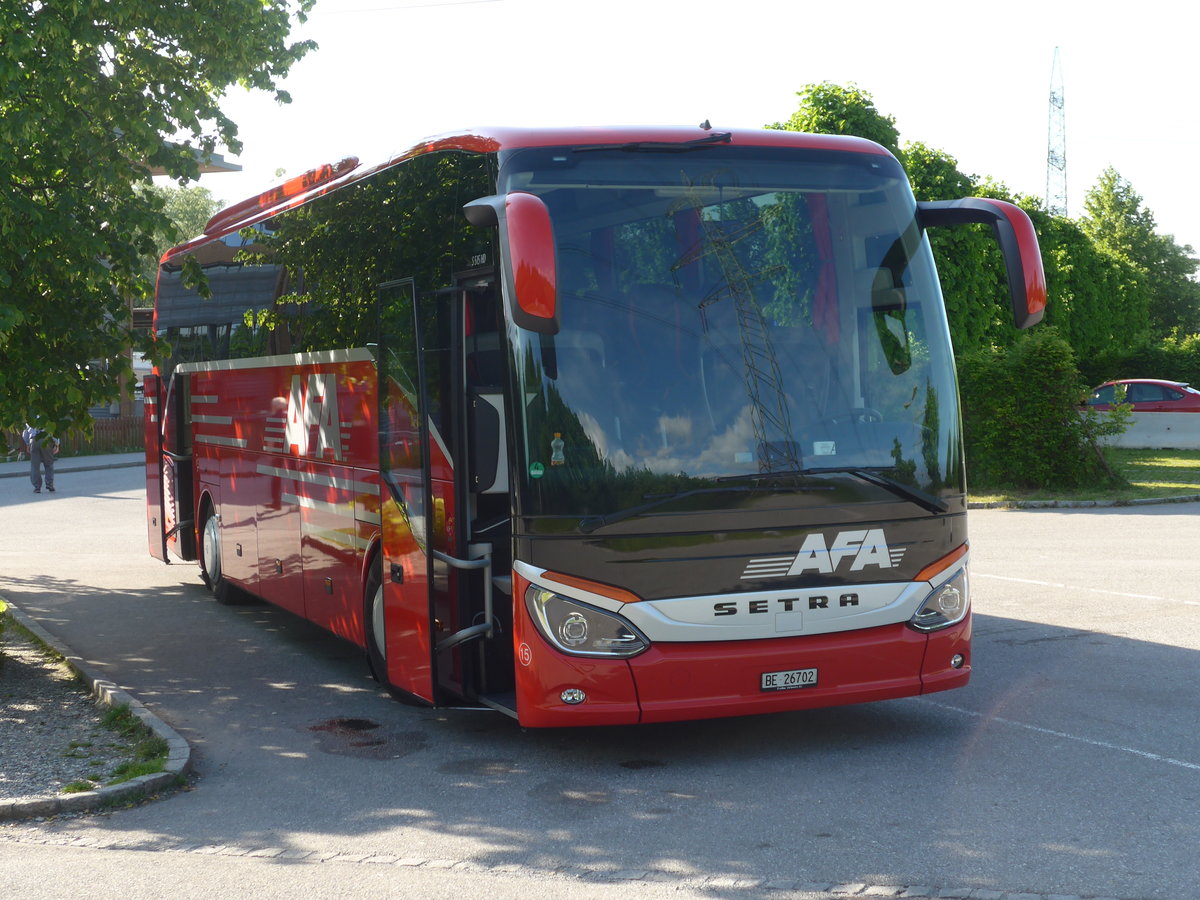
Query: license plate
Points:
[791, 680]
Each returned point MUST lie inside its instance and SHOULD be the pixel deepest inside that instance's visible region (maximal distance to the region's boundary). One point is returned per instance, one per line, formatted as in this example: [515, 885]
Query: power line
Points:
[1056, 144]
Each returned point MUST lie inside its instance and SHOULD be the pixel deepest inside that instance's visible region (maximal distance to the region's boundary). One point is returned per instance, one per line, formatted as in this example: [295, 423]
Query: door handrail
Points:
[484, 628]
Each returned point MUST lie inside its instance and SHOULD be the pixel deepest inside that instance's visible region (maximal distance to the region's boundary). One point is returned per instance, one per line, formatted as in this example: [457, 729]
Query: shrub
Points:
[1177, 358]
[1023, 420]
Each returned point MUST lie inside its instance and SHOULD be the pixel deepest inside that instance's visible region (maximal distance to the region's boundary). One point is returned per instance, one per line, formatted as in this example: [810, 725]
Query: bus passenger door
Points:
[400, 630]
[156, 527]
[446, 545]
[465, 365]
[172, 449]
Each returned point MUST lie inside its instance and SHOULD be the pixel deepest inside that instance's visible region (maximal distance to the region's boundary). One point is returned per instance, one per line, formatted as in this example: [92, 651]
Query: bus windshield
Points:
[730, 315]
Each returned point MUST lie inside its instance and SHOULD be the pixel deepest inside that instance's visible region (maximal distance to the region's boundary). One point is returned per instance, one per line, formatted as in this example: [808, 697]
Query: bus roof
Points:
[330, 176]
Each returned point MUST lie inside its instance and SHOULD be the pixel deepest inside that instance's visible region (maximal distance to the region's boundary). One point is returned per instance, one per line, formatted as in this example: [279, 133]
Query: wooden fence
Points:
[119, 435]
[124, 434]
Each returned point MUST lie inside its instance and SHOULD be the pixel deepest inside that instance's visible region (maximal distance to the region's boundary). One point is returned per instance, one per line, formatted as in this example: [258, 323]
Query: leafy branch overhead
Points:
[94, 96]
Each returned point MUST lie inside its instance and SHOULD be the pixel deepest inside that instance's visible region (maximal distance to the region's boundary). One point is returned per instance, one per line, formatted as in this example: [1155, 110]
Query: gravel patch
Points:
[52, 732]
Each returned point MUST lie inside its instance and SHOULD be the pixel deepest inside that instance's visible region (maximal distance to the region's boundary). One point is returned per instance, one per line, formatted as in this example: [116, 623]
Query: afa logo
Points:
[312, 426]
[859, 548]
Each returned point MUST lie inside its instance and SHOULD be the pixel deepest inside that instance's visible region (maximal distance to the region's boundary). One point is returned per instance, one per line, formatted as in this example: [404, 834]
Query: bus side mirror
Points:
[1014, 231]
[527, 253]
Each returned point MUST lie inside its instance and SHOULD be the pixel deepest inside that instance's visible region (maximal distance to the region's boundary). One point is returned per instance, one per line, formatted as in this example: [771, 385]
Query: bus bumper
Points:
[676, 682]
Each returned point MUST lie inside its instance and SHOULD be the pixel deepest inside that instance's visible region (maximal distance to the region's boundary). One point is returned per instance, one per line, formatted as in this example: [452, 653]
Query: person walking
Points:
[42, 447]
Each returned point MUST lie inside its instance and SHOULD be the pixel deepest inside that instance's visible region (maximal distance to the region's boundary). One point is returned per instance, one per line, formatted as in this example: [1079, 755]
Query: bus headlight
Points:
[946, 605]
[579, 629]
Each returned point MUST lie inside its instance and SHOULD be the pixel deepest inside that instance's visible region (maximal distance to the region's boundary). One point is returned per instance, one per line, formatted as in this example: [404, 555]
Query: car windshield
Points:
[730, 312]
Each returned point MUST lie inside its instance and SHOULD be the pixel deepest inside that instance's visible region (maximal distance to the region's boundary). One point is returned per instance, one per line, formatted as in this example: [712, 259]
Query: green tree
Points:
[91, 91]
[1175, 305]
[828, 108]
[1116, 219]
[1097, 300]
[1120, 225]
[188, 210]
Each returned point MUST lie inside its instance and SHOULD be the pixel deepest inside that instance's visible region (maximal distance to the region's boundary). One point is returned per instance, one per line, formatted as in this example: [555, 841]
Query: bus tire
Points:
[210, 560]
[373, 630]
[210, 548]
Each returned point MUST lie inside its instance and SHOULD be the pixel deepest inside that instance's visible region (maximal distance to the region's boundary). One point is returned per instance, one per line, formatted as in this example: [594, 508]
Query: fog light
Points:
[572, 696]
[956, 661]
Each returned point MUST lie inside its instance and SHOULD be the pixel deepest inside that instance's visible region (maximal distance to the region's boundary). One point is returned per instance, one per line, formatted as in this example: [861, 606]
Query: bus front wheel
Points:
[210, 559]
[373, 622]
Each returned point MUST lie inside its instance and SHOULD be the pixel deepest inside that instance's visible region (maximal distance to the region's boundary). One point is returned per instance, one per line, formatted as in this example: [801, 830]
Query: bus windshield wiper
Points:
[717, 137]
[875, 475]
[777, 475]
[591, 523]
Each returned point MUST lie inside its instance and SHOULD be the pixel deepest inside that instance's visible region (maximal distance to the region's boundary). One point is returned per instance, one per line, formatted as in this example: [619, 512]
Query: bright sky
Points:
[971, 79]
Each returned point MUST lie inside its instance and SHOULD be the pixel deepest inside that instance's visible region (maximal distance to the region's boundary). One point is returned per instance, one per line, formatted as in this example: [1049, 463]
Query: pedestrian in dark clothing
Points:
[42, 447]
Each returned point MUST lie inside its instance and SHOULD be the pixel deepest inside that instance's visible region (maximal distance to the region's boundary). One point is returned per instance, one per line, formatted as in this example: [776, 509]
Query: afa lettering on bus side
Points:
[313, 405]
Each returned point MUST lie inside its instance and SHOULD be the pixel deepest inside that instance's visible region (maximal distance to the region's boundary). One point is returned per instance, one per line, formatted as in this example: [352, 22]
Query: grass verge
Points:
[135, 744]
[1150, 475]
[148, 750]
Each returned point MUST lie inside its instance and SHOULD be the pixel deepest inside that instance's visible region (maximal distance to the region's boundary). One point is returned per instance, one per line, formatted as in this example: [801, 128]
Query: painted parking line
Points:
[1086, 590]
[1062, 735]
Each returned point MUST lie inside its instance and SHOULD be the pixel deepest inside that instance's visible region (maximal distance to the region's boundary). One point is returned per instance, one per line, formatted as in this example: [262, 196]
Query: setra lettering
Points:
[781, 604]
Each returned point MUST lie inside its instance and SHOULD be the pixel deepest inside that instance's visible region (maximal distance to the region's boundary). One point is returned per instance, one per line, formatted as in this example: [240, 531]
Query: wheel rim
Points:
[212, 548]
[377, 622]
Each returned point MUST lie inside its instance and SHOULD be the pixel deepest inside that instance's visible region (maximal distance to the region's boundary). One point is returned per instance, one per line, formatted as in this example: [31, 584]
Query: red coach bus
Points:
[591, 426]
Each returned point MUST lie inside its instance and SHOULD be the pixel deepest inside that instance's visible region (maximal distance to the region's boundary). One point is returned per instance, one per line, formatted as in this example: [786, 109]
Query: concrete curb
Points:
[60, 469]
[179, 753]
[1081, 504]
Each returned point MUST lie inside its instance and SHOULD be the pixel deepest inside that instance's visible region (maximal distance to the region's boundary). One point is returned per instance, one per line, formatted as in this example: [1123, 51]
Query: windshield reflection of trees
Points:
[728, 357]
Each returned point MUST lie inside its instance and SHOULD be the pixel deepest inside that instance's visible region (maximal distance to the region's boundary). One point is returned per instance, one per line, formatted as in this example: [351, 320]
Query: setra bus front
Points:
[733, 431]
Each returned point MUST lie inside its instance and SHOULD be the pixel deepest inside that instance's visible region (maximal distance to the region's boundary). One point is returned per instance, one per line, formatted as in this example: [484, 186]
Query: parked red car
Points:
[1148, 395]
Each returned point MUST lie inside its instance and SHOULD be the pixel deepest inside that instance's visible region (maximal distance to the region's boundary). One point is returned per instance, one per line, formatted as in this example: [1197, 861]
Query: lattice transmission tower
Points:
[1056, 145]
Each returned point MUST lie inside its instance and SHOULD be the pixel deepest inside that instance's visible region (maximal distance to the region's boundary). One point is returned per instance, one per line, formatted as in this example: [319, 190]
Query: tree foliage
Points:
[188, 210]
[94, 96]
[1030, 432]
[1176, 358]
[828, 108]
[1097, 300]
[1119, 225]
